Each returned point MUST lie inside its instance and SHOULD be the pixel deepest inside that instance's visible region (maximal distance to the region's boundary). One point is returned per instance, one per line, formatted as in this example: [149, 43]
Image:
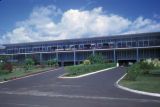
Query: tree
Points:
[5, 66]
[3, 58]
[29, 62]
[52, 62]
[96, 59]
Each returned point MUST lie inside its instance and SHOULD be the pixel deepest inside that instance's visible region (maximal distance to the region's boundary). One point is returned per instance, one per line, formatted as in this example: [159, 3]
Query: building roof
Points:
[90, 38]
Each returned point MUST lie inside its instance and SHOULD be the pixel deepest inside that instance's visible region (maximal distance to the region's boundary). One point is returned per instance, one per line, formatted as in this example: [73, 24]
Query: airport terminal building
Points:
[119, 48]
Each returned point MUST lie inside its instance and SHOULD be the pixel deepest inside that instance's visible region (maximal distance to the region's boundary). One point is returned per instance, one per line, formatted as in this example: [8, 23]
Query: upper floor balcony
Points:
[83, 45]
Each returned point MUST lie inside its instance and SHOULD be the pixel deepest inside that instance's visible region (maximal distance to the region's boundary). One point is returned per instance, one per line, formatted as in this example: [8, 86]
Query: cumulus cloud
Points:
[42, 25]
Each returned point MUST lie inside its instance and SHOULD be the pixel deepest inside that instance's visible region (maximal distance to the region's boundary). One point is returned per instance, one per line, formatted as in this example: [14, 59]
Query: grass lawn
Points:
[84, 69]
[148, 83]
[19, 72]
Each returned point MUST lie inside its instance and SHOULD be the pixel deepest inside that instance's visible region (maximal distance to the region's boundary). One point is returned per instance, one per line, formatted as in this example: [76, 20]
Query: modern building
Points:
[118, 48]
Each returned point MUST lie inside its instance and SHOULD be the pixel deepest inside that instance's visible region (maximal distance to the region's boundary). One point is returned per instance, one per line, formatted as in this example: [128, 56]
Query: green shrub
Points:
[155, 72]
[156, 63]
[145, 67]
[52, 62]
[29, 62]
[133, 72]
[86, 62]
[1, 66]
[96, 59]
[6, 67]
[3, 58]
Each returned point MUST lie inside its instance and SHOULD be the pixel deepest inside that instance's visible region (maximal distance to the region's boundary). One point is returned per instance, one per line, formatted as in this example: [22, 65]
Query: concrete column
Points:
[12, 58]
[93, 52]
[25, 55]
[57, 55]
[74, 57]
[62, 63]
[41, 58]
[78, 62]
[114, 55]
[137, 54]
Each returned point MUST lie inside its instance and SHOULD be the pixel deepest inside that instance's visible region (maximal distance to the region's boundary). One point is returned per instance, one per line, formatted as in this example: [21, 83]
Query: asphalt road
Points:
[46, 90]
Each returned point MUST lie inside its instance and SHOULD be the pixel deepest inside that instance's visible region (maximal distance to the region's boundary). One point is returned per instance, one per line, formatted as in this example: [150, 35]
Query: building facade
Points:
[118, 48]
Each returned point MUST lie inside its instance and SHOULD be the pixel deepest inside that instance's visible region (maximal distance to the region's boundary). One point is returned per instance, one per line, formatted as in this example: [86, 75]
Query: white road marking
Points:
[58, 95]
[25, 105]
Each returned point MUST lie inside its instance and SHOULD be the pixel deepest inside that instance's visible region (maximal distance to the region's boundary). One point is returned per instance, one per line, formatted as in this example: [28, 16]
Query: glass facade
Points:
[125, 47]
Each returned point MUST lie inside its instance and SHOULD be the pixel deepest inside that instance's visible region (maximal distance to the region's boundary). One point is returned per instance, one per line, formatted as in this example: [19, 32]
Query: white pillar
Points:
[57, 55]
[114, 53]
[74, 57]
[137, 57]
[41, 59]
[93, 51]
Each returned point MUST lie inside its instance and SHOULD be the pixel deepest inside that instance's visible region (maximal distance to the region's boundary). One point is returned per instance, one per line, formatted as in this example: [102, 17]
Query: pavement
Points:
[47, 90]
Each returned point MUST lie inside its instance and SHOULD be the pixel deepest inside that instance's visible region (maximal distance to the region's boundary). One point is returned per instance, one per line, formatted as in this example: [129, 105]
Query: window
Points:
[123, 44]
[145, 43]
[129, 44]
[140, 43]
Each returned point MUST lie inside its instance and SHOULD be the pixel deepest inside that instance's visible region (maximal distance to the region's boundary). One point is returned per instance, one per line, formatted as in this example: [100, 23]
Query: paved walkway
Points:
[46, 90]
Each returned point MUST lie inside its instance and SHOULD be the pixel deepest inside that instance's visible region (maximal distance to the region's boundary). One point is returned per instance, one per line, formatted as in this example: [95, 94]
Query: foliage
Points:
[3, 58]
[52, 62]
[155, 72]
[96, 59]
[156, 63]
[8, 67]
[133, 72]
[29, 62]
[145, 67]
[1, 65]
[86, 62]
[5, 67]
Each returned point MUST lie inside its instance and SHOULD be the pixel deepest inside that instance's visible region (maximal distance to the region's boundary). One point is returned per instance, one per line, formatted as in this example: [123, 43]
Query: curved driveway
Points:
[97, 90]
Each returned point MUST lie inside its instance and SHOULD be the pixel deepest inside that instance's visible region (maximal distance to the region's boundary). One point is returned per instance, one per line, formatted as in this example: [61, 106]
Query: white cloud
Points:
[74, 23]
[143, 25]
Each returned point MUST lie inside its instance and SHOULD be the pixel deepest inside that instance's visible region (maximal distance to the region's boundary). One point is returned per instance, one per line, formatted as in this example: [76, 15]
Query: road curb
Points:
[133, 90]
[28, 76]
[84, 75]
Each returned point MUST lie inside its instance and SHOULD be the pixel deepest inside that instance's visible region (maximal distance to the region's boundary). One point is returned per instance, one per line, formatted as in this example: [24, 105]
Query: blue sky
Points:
[37, 20]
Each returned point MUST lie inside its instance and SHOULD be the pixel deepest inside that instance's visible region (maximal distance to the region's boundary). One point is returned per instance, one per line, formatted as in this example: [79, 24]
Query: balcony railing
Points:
[87, 46]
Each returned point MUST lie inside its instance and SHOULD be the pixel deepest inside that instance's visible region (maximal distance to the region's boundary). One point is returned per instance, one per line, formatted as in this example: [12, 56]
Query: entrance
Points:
[126, 62]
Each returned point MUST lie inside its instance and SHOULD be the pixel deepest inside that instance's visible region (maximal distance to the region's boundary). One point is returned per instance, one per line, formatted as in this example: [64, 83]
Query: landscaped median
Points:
[143, 77]
[10, 71]
[93, 64]
[19, 72]
[84, 70]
